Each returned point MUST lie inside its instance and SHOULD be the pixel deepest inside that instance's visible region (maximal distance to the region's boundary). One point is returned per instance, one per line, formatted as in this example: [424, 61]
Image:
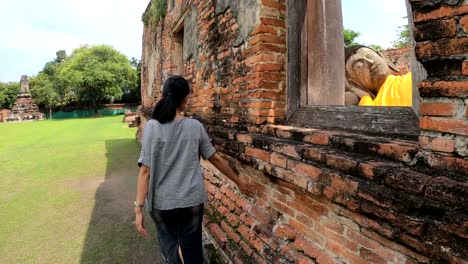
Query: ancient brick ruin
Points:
[24, 108]
[323, 190]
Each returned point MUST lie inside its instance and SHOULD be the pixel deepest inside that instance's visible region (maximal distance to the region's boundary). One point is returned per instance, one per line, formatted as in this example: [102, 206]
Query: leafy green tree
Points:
[96, 75]
[43, 92]
[403, 37]
[133, 94]
[350, 37]
[8, 94]
[376, 47]
[46, 89]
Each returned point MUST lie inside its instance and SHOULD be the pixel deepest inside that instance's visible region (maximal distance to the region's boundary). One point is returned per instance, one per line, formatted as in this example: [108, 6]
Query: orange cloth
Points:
[395, 91]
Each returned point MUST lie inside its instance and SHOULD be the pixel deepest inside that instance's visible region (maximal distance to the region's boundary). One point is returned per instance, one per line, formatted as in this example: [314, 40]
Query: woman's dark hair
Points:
[175, 89]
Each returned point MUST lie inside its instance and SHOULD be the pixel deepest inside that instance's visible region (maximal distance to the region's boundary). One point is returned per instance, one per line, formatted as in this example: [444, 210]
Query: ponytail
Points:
[175, 90]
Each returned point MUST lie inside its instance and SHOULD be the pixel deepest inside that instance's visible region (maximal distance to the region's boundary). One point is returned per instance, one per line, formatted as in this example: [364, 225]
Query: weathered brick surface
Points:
[321, 196]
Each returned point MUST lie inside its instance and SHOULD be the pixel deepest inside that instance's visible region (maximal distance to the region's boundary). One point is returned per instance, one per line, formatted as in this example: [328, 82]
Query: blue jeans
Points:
[180, 227]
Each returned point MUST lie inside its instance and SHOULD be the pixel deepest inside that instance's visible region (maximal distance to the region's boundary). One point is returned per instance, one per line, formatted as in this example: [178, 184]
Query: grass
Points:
[66, 193]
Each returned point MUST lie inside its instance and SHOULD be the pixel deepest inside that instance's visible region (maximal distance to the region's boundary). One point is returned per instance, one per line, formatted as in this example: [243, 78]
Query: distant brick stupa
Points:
[24, 107]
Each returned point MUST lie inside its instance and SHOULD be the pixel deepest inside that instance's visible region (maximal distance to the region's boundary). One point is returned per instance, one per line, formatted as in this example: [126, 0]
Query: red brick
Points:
[257, 244]
[247, 250]
[245, 232]
[343, 184]
[307, 231]
[345, 254]
[305, 169]
[447, 190]
[262, 216]
[317, 139]
[303, 260]
[288, 150]
[267, 237]
[283, 208]
[369, 243]
[244, 138]
[339, 238]
[270, 3]
[266, 47]
[340, 162]
[291, 177]
[465, 68]
[375, 169]
[218, 234]
[258, 153]
[459, 127]
[222, 210]
[444, 47]
[437, 144]
[387, 244]
[233, 220]
[264, 104]
[273, 22]
[371, 256]
[435, 29]
[289, 252]
[455, 260]
[267, 67]
[278, 160]
[258, 259]
[307, 247]
[285, 232]
[464, 23]
[447, 163]
[273, 95]
[265, 29]
[443, 88]
[438, 108]
[233, 235]
[443, 11]
[246, 219]
[366, 222]
[210, 188]
[395, 151]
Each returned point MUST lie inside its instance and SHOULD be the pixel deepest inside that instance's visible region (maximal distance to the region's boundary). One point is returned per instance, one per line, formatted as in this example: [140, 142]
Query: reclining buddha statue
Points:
[373, 80]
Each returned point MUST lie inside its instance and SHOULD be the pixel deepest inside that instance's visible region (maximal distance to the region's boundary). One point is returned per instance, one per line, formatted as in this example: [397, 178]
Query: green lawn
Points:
[66, 193]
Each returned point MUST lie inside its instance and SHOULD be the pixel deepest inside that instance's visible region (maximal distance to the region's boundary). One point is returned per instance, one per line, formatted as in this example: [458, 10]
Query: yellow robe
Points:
[395, 91]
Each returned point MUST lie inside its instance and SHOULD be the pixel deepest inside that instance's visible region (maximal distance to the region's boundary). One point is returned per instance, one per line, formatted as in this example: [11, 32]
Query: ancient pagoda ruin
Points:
[24, 108]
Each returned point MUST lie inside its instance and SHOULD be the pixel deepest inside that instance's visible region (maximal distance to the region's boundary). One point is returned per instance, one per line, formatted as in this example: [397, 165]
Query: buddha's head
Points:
[367, 68]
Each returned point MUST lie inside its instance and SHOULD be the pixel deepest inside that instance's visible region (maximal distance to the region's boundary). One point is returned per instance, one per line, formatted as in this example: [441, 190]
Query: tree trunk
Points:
[50, 112]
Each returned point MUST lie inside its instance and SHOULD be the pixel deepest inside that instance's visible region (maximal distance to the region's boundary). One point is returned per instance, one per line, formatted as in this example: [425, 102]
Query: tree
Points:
[43, 92]
[133, 94]
[403, 37]
[8, 94]
[350, 37]
[376, 47]
[97, 74]
[45, 87]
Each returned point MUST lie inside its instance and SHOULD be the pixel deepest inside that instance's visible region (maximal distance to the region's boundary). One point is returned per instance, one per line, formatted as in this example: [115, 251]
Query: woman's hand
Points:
[139, 222]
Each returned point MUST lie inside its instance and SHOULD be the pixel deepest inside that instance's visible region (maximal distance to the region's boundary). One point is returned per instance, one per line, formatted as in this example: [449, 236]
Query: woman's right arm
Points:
[223, 166]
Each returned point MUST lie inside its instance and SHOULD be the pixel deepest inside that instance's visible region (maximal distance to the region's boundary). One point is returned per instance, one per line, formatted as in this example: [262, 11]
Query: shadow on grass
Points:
[111, 235]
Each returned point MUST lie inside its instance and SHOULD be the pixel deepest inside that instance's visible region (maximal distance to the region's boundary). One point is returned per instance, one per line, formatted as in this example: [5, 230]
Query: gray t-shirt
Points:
[172, 152]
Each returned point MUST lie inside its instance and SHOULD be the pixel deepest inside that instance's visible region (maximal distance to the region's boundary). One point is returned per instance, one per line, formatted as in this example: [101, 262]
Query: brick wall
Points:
[320, 196]
[401, 58]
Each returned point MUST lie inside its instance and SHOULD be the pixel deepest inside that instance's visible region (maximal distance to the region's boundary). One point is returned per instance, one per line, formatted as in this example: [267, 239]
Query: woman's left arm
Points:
[142, 191]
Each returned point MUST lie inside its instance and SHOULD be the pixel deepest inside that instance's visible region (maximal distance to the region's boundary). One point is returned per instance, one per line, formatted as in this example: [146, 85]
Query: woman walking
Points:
[170, 182]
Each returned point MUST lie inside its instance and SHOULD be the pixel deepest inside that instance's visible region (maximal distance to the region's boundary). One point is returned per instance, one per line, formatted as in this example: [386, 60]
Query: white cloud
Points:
[32, 31]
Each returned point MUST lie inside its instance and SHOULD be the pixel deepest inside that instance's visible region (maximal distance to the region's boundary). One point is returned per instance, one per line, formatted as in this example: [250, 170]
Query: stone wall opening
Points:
[178, 39]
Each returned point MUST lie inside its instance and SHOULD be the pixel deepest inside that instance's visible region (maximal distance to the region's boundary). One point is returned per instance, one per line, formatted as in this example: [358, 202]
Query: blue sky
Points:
[376, 20]
[33, 30]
